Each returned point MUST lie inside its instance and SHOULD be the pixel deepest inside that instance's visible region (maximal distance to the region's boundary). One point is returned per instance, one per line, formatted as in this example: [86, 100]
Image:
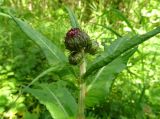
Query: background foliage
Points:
[134, 93]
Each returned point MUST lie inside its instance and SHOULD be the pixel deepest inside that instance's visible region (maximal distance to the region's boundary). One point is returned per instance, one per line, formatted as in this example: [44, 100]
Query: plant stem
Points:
[82, 85]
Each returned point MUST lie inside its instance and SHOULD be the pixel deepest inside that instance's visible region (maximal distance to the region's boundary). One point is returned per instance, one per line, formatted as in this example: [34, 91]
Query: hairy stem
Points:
[82, 85]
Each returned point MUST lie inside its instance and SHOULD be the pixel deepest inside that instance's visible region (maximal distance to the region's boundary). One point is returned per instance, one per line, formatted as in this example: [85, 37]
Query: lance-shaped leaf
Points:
[100, 85]
[53, 54]
[118, 47]
[59, 102]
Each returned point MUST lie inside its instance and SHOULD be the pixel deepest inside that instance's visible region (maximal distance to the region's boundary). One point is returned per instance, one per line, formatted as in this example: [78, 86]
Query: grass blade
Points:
[73, 19]
[122, 17]
[110, 29]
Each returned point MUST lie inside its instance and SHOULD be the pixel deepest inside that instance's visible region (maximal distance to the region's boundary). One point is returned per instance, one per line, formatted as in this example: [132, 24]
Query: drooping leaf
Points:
[118, 47]
[99, 87]
[53, 54]
[59, 102]
[73, 19]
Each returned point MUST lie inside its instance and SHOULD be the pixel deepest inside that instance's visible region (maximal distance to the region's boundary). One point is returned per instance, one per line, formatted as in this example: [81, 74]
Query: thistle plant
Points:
[94, 81]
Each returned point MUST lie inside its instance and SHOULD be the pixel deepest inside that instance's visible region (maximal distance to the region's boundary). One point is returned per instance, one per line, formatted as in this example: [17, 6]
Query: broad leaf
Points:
[118, 47]
[57, 100]
[52, 52]
[73, 19]
[99, 87]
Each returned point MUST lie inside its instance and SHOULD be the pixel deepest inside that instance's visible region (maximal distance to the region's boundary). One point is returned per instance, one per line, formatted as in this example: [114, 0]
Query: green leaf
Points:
[53, 54]
[100, 85]
[59, 102]
[118, 47]
[73, 19]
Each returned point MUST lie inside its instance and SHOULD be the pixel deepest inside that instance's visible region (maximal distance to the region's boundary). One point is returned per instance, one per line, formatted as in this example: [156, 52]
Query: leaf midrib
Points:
[58, 101]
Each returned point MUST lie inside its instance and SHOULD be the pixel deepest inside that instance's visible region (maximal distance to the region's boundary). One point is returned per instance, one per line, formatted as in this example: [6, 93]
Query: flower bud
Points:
[93, 48]
[76, 40]
[75, 58]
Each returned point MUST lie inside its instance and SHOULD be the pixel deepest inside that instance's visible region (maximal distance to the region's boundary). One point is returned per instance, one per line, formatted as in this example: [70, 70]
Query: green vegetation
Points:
[121, 81]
